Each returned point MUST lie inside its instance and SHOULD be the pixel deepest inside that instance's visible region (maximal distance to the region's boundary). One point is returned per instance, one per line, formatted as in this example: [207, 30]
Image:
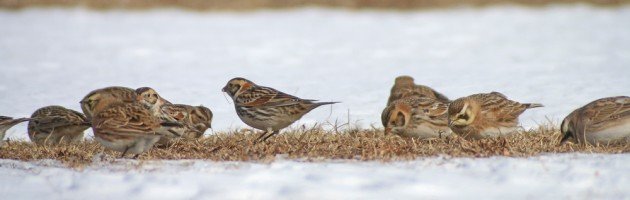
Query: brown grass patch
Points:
[316, 144]
[275, 4]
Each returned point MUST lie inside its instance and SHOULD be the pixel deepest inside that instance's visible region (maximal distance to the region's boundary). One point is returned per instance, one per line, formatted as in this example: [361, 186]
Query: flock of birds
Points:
[133, 121]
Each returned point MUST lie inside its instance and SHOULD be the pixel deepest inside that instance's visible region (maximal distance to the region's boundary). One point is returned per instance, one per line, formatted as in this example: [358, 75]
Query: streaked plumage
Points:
[130, 128]
[485, 115]
[151, 99]
[55, 124]
[6, 123]
[122, 124]
[603, 121]
[405, 86]
[419, 117]
[265, 108]
[92, 101]
[197, 118]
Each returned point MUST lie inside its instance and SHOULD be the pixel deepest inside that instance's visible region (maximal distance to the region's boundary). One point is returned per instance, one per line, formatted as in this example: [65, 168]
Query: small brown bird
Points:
[131, 128]
[53, 125]
[151, 99]
[603, 121]
[405, 86]
[6, 123]
[265, 108]
[419, 117]
[91, 101]
[198, 118]
[485, 115]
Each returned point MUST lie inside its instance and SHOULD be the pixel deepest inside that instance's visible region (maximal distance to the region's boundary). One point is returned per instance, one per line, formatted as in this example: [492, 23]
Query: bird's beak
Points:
[388, 130]
[224, 89]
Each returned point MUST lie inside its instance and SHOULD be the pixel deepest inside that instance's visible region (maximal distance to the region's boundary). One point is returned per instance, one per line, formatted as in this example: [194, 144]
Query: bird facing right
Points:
[603, 121]
[265, 108]
[486, 115]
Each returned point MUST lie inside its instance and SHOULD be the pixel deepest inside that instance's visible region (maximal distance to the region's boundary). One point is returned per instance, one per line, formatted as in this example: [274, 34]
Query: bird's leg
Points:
[124, 152]
[268, 136]
[269, 130]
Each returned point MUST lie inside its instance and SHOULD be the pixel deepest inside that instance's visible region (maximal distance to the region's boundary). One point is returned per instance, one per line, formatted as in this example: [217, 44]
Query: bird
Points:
[486, 115]
[418, 117]
[603, 121]
[131, 128]
[113, 94]
[151, 99]
[123, 124]
[405, 86]
[159, 106]
[265, 108]
[6, 123]
[198, 118]
[53, 125]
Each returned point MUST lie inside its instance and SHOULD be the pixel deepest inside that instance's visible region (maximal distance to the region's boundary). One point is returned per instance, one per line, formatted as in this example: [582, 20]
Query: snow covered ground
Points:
[569, 176]
[561, 56]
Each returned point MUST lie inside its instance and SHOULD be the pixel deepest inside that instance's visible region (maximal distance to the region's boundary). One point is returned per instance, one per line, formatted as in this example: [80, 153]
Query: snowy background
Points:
[561, 56]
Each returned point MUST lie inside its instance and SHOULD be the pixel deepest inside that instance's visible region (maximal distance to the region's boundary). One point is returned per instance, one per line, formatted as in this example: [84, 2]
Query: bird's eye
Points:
[464, 117]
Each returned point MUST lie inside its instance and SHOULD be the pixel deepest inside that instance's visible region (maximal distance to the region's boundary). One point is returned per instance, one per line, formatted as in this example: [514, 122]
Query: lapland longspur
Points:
[486, 115]
[603, 121]
[265, 108]
[198, 118]
[419, 117]
[52, 125]
[131, 128]
[93, 100]
[151, 99]
[6, 123]
[122, 124]
[405, 86]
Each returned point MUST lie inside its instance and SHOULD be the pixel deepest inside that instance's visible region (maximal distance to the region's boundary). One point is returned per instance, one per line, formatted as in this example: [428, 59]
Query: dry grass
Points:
[273, 4]
[316, 144]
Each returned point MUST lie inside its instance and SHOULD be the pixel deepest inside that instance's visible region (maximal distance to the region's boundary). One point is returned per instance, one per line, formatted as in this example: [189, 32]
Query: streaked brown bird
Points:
[603, 121]
[122, 124]
[486, 115]
[7, 123]
[265, 108]
[418, 117]
[114, 94]
[405, 86]
[131, 128]
[151, 99]
[198, 118]
[53, 125]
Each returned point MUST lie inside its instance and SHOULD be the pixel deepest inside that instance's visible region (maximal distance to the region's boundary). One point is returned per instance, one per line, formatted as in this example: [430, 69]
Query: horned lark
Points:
[52, 125]
[130, 128]
[6, 123]
[419, 117]
[265, 108]
[405, 86]
[485, 115]
[91, 101]
[603, 121]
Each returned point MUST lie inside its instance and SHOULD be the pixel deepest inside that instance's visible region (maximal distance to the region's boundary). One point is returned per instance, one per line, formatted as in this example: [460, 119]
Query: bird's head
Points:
[462, 112]
[236, 86]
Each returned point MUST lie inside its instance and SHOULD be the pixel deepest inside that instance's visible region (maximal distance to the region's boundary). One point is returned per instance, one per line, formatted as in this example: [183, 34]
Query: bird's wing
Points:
[607, 109]
[496, 106]
[126, 118]
[266, 96]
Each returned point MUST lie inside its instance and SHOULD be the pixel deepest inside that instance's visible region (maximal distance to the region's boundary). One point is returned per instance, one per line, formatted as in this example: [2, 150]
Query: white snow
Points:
[566, 176]
[561, 56]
